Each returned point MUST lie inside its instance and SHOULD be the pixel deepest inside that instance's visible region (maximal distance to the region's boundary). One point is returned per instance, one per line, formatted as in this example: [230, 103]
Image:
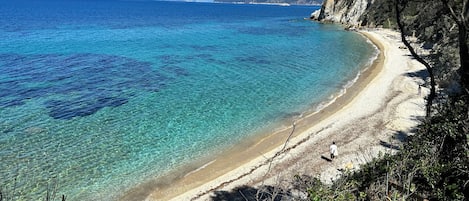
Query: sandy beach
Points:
[372, 117]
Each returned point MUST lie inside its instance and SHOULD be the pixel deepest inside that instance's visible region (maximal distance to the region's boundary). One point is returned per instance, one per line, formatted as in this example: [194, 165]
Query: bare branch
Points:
[451, 10]
[465, 13]
[464, 8]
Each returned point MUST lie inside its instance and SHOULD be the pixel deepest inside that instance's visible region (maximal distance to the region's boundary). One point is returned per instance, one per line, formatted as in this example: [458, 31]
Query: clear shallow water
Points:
[99, 96]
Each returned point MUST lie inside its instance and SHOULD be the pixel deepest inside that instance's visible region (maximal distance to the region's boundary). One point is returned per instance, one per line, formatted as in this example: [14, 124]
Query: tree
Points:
[458, 10]
[400, 5]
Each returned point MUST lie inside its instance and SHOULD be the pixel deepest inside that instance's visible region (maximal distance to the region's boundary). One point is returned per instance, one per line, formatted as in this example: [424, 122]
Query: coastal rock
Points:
[342, 11]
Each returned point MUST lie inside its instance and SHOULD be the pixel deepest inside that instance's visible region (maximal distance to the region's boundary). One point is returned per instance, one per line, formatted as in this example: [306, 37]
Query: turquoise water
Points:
[99, 96]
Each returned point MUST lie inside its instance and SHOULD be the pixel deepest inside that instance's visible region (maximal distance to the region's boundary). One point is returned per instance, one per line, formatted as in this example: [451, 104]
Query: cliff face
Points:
[342, 11]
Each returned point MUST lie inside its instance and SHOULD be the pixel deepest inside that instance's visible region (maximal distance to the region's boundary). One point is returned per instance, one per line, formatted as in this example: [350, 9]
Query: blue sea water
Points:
[98, 96]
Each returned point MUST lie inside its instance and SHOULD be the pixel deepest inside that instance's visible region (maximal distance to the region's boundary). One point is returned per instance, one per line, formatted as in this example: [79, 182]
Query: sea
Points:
[99, 96]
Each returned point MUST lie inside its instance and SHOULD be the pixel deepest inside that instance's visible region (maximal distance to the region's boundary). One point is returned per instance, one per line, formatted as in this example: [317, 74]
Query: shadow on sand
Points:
[400, 136]
[325, 158]
[423, 74]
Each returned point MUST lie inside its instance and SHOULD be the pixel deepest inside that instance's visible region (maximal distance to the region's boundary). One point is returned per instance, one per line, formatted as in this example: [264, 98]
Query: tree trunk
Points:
[464, 58]
[461, 20]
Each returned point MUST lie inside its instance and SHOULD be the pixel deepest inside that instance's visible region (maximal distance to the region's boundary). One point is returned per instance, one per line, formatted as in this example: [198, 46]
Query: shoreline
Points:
[294, 144]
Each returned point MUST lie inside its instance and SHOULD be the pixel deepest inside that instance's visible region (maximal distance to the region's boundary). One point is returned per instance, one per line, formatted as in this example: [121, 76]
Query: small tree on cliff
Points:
[459, 12]
[400, 5]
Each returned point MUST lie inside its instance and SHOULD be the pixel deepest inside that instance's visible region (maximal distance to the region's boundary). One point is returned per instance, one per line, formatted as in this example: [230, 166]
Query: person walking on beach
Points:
[333, 149]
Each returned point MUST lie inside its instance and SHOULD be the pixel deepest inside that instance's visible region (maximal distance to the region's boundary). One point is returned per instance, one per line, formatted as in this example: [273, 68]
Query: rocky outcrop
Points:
[342, 11]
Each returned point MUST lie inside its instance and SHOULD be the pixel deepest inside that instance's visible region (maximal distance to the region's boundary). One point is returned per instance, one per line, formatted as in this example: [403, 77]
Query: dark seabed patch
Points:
[67, 109]
[78, 85]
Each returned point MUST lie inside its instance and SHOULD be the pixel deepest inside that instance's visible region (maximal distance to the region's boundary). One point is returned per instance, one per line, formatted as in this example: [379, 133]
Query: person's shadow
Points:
[325, 158]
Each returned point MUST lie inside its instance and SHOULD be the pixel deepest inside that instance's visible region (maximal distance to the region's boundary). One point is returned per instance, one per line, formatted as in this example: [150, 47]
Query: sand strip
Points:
[380, 109]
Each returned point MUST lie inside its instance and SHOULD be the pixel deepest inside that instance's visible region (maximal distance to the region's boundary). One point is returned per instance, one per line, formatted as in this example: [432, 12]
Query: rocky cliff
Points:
[356, 13]
[348, 12]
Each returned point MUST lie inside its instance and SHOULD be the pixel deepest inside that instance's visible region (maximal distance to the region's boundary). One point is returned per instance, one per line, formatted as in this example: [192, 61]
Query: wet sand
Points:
[373, 115]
